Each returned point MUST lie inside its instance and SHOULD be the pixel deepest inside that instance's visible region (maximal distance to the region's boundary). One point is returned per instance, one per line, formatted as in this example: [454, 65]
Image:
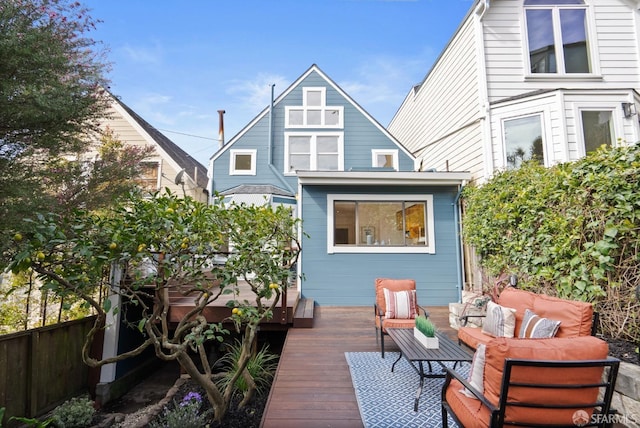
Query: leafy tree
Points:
[571, 230]
[165, 245]
[51, 75]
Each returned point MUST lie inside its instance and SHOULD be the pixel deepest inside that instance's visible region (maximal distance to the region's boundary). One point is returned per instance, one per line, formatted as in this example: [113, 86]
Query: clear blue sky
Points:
[177, 62]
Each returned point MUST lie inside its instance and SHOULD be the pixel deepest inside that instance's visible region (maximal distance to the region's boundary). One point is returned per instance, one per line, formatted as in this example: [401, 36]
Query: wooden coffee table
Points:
[414, 352]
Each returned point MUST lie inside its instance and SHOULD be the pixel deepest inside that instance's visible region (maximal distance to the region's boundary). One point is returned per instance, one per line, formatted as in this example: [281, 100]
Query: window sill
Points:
[563, 77]
[380, 249]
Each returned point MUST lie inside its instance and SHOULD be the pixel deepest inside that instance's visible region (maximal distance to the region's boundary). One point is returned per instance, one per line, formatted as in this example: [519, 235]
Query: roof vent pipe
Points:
[221, 128]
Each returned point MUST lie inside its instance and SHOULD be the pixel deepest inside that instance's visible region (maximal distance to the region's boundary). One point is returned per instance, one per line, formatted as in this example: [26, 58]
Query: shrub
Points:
[261, 367]
[570, 230]
[185, 414]
[74, 413]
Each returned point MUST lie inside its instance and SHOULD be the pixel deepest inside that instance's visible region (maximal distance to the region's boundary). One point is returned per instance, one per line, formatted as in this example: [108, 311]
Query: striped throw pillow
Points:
[536, 327]
[500, 321]
[400, 304]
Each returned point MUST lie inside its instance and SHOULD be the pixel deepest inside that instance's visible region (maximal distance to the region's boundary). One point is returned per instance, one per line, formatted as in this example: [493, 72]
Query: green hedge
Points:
[570, 230]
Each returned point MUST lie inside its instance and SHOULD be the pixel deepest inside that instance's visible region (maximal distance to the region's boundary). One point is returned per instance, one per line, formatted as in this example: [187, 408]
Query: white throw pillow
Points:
[500, 321]
[476, 372]
[400, 304]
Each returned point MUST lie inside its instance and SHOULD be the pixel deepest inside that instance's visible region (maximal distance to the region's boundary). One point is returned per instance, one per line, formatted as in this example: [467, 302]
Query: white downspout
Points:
[485, 108]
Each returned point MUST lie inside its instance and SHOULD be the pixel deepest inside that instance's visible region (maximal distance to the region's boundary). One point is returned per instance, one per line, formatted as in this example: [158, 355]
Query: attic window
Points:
[242, 162]
[384, 159]
[149, 174]
[314, 112]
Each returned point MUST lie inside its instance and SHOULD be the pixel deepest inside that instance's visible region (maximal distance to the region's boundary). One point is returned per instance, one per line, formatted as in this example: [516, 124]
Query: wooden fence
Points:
[42, 367]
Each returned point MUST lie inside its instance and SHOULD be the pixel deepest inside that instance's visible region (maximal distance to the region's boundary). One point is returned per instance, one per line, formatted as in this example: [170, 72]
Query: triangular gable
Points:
[312, 69]
[167, 149]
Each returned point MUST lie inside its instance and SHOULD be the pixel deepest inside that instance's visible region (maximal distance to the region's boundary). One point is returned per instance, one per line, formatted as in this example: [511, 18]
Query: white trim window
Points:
[384, 159]
[320, 151]
[149, 177]
[314, 113]
[523, 140]
[242, 162]
[597, 129]
[558, 37]
[380, 224]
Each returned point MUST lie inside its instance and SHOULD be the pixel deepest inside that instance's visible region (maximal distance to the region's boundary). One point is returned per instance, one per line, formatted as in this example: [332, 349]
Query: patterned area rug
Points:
[386, 399]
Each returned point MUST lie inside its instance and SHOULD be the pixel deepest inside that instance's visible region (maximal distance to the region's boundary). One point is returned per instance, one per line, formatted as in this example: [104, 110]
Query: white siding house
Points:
[168, 166]
[546, 79]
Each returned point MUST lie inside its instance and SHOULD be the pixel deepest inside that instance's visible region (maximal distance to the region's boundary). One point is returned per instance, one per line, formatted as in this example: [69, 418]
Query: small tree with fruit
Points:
[161, 245]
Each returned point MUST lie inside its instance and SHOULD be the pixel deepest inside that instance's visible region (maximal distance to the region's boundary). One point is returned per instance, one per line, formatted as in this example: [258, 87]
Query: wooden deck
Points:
[218, 311]
[312, 387]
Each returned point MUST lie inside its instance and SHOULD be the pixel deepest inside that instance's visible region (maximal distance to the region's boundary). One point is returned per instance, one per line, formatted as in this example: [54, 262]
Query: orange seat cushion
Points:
[470, 412]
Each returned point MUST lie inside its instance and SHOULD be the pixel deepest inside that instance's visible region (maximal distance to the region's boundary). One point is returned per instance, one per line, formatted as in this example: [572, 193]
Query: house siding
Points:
[615, 43]
[360, 136]
[448, 107]
[347, 279]
[129, 134]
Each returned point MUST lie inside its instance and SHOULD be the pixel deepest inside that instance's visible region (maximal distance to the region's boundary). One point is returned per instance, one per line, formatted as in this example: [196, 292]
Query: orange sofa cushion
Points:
[575, 317]
[472, 413]
[392, 285]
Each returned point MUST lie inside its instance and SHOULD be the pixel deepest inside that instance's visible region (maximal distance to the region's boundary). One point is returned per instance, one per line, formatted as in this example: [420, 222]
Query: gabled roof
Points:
[316, 69]
[179, 156]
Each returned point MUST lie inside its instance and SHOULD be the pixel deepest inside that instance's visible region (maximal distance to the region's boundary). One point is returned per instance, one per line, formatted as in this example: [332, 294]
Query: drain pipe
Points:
[270, 147]
[459, 250]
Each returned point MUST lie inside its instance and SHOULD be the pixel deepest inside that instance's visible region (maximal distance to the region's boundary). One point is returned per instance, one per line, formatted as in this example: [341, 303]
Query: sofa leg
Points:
[382, 342]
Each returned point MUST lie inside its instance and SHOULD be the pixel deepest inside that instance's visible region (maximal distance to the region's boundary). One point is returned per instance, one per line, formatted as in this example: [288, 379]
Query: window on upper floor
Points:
[314, 113]
[558, 37]
[242, 162]
[380, 223]
[384, 159]
[149, 174]
[313, 152]
[597, 129]
[523, 140]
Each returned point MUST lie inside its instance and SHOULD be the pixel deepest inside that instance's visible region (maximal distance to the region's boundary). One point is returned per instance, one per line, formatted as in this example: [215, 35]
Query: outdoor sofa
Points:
[575, 318]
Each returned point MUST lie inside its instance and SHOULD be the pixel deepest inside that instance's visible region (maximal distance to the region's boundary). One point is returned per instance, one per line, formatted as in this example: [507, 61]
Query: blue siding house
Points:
[366, 211]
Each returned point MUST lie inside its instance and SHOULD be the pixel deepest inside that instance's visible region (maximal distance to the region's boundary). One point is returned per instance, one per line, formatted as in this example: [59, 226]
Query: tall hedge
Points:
[570, 230]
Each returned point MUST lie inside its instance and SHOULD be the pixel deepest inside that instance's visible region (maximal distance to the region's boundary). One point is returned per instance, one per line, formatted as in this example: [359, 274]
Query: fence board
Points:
[42, 367]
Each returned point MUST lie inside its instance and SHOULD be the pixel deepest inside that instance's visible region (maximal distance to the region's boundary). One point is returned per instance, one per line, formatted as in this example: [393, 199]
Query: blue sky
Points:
[177, 62]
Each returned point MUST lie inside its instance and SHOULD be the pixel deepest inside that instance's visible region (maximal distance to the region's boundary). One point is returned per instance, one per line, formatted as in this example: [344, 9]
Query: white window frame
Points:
[547, 140]
[545, 149]
[314, 151]
[616, 117]
[323, 108]
[428, 248]
[377, 152]
[592, 50]
[232, 163]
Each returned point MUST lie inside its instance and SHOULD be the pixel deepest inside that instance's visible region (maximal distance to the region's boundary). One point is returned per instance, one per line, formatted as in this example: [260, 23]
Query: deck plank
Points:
[312, 386]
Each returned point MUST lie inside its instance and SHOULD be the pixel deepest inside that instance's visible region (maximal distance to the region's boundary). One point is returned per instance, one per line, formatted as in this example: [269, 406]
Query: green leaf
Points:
[106, 305]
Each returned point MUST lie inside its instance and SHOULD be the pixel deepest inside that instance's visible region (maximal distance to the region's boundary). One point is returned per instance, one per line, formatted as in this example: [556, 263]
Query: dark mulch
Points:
[247, 417]
[623, 350]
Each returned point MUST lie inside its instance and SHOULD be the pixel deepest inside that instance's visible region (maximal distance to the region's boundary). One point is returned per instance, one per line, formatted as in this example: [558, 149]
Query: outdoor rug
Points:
[386, 399]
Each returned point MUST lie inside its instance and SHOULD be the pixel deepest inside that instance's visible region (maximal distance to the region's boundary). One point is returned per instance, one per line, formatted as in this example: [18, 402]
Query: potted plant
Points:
[425, 332]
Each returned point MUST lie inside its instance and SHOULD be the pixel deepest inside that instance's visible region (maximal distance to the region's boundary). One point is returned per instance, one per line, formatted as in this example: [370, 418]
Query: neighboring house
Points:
[168, 166]
[533, 79]
[366, 211]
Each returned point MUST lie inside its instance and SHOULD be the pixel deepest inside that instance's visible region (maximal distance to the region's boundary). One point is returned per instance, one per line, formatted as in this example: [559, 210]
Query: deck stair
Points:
[303, 315]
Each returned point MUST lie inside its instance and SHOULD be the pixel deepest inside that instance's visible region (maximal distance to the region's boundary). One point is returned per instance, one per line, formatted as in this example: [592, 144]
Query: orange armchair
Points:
[403, 307]
[557, 382]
